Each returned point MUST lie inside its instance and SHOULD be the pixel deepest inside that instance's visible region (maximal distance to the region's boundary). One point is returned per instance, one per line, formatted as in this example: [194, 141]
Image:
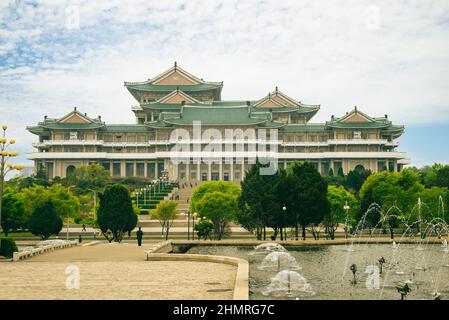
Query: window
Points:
[73, 135]
[140, 169]
[357, 134]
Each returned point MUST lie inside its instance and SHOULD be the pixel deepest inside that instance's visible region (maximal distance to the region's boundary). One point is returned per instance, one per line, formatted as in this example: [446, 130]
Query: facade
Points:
[183, 127]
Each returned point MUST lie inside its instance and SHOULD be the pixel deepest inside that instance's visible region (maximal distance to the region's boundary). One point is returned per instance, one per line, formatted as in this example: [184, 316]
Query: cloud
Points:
[383, 56]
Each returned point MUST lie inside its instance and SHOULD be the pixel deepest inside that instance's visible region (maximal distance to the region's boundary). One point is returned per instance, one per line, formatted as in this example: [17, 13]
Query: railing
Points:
[72, 142]
[21, 255]
[356, 141]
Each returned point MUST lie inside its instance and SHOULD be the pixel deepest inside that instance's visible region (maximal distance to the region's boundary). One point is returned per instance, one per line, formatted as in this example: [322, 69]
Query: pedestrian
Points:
[84, 227]
[80, 239]
[139, 235]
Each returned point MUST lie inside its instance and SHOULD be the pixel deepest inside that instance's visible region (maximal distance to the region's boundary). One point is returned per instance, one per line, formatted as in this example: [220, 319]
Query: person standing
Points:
[139, 235]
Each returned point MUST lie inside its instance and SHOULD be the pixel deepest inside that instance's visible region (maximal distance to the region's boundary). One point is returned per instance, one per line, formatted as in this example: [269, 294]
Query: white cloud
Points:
[316, 51]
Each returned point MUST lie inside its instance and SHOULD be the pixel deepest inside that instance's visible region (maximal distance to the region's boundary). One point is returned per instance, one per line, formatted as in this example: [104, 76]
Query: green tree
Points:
[115, 212]
[355, 179]
[204, 229]
[257, 201]
[45, 222]
[340, 172]
[338, 197]
[166, 213]
[220, 208]
[307, 195]
[435, 202]
[13, 213]
[91, 177]
[442, 177]
[388, 189]
[212, 186]
[66, 204]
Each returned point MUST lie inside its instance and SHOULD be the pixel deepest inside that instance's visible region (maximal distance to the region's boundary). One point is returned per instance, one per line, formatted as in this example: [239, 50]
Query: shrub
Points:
[77, 220]
[7, 247]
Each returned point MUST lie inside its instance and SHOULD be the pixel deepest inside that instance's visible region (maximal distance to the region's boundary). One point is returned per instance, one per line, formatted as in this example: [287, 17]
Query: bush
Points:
[7, 247]
[144, 212]
[77, 220]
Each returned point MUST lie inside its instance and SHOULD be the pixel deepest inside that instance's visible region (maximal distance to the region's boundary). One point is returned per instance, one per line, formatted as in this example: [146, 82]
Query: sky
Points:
[386, 57]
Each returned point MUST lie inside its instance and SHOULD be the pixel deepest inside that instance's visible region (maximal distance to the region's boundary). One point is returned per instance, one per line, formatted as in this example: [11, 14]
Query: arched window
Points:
[359, 168]
[69, 170]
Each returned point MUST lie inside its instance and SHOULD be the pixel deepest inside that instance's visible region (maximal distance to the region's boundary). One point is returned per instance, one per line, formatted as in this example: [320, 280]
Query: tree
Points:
[91, 177]
[307, 195]
[257, 201]
[220, 208]
[435, 202]
[216, 201]
[166, 213]
[66, 204]
[204, 229]
[340, 172]
[338, 197]
[13, 213]
[442, 177]
[355, 179]
[44, 222]
[115, 213]
[388, 189]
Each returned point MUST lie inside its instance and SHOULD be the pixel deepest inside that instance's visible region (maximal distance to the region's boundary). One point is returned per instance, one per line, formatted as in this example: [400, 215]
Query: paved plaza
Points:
[114, 271]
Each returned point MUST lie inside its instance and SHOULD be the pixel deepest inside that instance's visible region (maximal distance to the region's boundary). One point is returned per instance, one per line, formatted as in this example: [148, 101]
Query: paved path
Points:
[114, 271]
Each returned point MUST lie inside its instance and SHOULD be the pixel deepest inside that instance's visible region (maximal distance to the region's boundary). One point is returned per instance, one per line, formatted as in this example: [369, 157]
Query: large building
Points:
[185, 129]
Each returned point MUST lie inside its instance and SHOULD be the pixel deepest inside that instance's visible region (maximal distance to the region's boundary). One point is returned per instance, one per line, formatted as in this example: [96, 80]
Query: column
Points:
[134, 168]
[220, 171]
[122, 168]
[209, 171]
[156, 165]
[331, 165]
[188, 170]
[145, 169]
[110, 168]
[198, 170]
[232, 170]
[319, 167]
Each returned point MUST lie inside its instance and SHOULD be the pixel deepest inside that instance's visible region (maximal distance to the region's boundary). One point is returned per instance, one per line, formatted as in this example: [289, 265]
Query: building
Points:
[183, 127]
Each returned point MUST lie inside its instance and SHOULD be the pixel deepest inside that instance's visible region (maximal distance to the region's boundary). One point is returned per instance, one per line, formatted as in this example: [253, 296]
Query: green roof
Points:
[70, 126]
[170, 88]
[125, 128]
[219, 116]
[374, 124]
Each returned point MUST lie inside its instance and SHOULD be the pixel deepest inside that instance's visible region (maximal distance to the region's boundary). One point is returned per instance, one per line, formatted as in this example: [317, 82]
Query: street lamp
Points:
[4, 166]
[284, 209]
[346, 207]
[195, 214]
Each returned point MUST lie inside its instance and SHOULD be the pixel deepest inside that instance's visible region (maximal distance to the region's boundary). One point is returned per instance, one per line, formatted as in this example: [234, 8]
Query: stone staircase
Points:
[178, 230]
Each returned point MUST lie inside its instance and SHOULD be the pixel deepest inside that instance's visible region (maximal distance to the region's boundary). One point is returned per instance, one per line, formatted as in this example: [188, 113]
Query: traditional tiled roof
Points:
[125, 128]
[362, 120]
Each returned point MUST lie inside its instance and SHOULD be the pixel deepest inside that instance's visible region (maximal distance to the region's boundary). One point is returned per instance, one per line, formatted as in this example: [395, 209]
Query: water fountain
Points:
[288, 283]
[279, 260]
[265, 248]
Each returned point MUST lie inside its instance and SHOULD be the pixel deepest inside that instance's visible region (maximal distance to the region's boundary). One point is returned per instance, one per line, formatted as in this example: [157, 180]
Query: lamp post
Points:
[195, 214]
[346, 207]
[284, 209]
[4, 166]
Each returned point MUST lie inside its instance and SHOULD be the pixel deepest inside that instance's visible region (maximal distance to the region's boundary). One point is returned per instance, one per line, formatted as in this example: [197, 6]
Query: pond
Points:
[324, 272]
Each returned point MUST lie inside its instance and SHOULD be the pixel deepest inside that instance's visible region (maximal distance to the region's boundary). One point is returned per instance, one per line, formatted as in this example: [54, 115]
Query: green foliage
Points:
[115, 213]
[216, 201]
[220, 208]
[165, 212]
[93, 176]
[44, 221]
[340, 172]
[389, 189]
[257, 201]
[355, 179]
[204, 229]
[7, 247]
[338, 197]
[66, 204]
[331, 172]
[435, 203]
[303, 190]
[442, 177]
[13, 212]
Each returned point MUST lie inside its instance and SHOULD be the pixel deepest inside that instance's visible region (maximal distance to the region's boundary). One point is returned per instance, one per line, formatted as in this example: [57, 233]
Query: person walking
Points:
[139, 235]
[84, 227]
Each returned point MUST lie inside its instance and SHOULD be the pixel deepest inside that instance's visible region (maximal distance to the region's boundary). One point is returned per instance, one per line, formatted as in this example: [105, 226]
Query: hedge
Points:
[7, 247]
